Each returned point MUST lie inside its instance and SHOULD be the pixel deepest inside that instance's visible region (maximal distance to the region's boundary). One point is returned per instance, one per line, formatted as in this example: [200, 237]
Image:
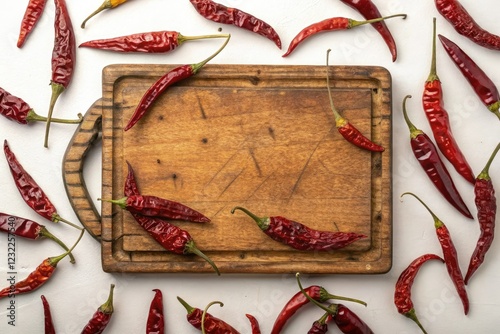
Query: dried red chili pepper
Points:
[31, 17]
[254, 323]
[212, 325]
[320, 326]
[330, 24]
[168, 79]
[299, 236]
[465, 25]
[63, 58]
[370, 11]
[29, 229]
[477, 78]
[219, 13]
[39, 276]
[345, 128]
[107, 4]
[432, 101]
[100, 319]
[449, 254]
[49, 324]
[486, 213]
[427, 155]
[156, 318]
[30, 191]
[402, 293]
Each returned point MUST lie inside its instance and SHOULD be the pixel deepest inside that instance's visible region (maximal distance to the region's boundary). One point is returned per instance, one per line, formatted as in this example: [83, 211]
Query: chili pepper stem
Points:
[326, 309]
[196, 67]
[44, 232]
[347, 299]
[55, 259]
[122, 202]
[484, 175]
[107, 307]
[437, 222]
[182, 38]
[413, 129]
[354, 23]
[433, 72]
[192, 249]
[494, 108]
[188, 307]
[339, 120]
[413, 316]
[105, 5]
[56, 218]
[205, 313]
[57, 90]
[263, 223]
[34, 117]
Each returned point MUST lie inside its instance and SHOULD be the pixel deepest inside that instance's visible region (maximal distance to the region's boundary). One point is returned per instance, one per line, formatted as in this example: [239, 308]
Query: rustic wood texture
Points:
[257, 136]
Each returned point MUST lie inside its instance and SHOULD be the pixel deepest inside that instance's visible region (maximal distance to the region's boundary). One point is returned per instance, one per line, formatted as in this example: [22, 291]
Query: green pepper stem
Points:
[205, 313]
[484, 175]
[413, 129]
[105, 5]
[413, 316]
[188, 307]
[192, 249]
[45, 233]
[182, 38]
[122, 202]
[262, 222]
[196, 67]
[339, 120]
[34, 117]
[107, 307]
[55, 259]
[56, 219]
[433, 72]
[354, 23]
[326, 309]
[437, 222]
[57, 89]
[347, 299]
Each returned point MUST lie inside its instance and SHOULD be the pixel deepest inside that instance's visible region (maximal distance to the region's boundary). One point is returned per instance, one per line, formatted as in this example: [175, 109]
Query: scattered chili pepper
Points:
[427, 155]
[486, 212]
[148, 42]
[168, 79]
[219, 13]
[254, 323]
[63, 58]
[31, 17]
[320, 326]
[30, 191]
[370, 11]
[402, 293]
[49, 325]
[156, 318]
[107, 4]
[477, 78]
[330, 24]
[345, 128]
[449, 254]
[464, 24]
[432, 101]
[39, 276]
[299, 236]
[29, 229]
[212, 325]
[100, 319]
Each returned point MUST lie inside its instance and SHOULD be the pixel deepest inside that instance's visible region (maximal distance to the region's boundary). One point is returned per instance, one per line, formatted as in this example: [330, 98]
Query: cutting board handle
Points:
[83, 139]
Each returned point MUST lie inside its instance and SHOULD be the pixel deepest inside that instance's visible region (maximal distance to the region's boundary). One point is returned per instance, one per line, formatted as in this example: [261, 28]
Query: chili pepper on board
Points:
[219, 13]
[370, 11]
[107, 4]
[254, 323]
[486, 204]
[100, 319]
[147, 42]
[402, 291]
[299, 236]
[30, 191]
[432, 101]
[330, 24]
[449, 254]
[345, 128]
[63, 58]
[427, 155]
[168, 79]
[465, 25]
[477, 78]
[32, 15]
[49, 324]
[156, 319]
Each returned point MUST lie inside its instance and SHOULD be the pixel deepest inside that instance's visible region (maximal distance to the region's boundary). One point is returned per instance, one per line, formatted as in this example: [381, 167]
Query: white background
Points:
[75, 291]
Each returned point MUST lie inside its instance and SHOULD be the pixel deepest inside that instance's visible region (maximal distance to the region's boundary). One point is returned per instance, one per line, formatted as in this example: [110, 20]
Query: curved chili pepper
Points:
[330, 24]
[465, 25]
[49, 325]
[449, 254]
[100, 319]
[486, 204]
[168, 79]
[439, 121]
[254, 323]
[402, 293]
[63, 58]
[212, 325]
[479, 81]
[370, 11]
[30, 191]
[219, 13]
[427, 155]
[107, 4]
[299, 236]
[156, 318]
[32, 15]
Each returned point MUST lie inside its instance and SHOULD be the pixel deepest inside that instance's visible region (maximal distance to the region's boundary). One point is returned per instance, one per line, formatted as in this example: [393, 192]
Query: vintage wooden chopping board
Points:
[257, 136]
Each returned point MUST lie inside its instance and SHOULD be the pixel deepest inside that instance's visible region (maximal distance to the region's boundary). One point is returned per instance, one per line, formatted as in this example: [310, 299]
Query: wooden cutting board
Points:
[258, 136]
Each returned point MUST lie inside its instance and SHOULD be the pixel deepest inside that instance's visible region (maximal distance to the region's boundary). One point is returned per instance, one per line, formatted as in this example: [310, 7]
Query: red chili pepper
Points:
[156, 318]
[219, 13]
[465, 25]
[427, 155]
[49, 325]
[320, 326]
[402, 293]
[63, 58]
[32, 15]
[254, 323]
[97, 324]
[107, 4]
[449, 254]
[477, 78]
[299, 236]
[370, 11]
[486, 212]
[177, 74]
[330, 24]
[439, 121]
[30, 191]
